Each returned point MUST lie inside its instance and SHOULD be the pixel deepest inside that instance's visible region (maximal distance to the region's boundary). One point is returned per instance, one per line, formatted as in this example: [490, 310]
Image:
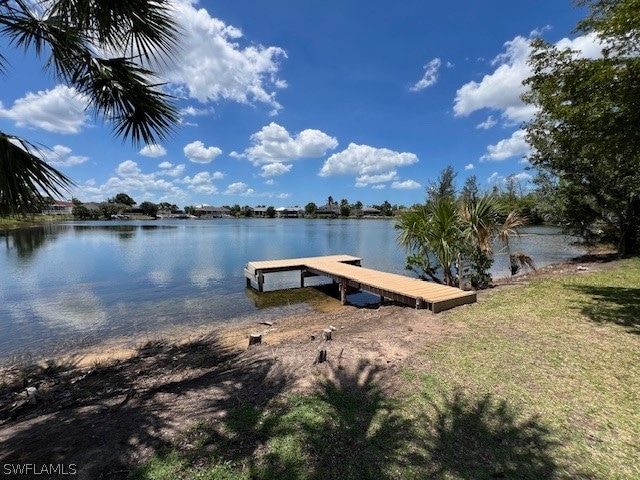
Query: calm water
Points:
[69, 283]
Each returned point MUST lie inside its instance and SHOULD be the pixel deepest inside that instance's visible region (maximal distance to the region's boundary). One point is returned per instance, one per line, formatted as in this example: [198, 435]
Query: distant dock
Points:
[347, 272]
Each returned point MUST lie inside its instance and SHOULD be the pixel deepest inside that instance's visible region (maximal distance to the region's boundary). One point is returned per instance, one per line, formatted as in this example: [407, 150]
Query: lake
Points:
[72, 283]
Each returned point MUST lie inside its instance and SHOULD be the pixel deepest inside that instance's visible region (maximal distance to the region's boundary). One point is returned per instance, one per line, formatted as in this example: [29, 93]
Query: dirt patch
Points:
[107, 409]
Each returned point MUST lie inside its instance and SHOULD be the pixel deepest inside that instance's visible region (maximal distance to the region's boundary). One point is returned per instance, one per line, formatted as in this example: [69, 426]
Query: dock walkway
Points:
[346, 270]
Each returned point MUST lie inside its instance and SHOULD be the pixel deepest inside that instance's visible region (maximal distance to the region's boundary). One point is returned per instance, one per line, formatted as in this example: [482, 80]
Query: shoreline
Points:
[236, 332]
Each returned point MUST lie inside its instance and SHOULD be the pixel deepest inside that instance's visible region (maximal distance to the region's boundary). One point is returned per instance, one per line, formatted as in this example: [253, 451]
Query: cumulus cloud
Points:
[274, 144]
[59, 156]
[153, 151]
[406, 185]
[168, 169]
[213, 64]
[368, 164]
[239, 188]
[430, 76]
[275, 169]
[501, 90]
[469, 166]
[202, 178]
[364, 180]
[130, 178]
[198, 153]
[514, 146]
[59, 110]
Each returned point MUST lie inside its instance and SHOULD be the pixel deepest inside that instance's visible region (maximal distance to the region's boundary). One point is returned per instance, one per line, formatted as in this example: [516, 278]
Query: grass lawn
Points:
[542, 382]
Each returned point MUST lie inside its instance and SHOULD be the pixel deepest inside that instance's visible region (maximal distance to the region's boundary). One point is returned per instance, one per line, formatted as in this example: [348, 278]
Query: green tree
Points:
[470, 189]
[247, 211]
[235, 210]
[149, 208]
[345, 208]
[444, 186]
[81, 212]
[585, 131]
[109, 209]
[442, 231]
[386, 209]
[310, 209]
[271, 212]
[123, 199]
[106, 51]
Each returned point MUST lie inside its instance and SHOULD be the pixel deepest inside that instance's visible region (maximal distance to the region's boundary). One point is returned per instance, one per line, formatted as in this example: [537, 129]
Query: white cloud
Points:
[514, 146]
[191, 111]
[59, 156]
[430, 76]
[239, 188]
[153, 151]
[364, 180]
[523, 177]
[274, 144]
[365, 162]
[380, 186]
[130, 178]
[60, 110]
[202, 178]
[167, 168]
[469, 166]
[406, 185]
[212, 64]
[202, 182]
[269, 182]
[128, 168]
[501, 90]
[198, 153]
[275, 169]
[489, 123]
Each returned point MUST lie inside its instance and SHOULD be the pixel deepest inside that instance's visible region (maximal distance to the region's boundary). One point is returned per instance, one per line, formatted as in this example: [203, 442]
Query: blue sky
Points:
[288, 102]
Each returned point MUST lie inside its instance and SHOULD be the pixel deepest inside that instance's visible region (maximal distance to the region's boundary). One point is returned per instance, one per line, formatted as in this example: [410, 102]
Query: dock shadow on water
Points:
[322, 296]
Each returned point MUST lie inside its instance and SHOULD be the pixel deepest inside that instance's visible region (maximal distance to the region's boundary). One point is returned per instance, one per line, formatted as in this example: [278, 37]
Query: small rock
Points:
[32, 393]
[582, 268]
[312, 337]
[332, 328]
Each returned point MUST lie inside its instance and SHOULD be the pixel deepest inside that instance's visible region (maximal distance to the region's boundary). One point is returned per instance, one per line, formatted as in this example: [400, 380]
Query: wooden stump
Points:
[321, 356]
[255, 339]
[326, 334]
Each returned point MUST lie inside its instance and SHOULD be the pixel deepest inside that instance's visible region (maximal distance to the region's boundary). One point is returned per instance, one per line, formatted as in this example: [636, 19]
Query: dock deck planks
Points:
[346, 270]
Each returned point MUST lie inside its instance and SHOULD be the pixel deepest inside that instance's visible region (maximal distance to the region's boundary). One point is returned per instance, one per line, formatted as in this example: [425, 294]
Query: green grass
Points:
[542, 382]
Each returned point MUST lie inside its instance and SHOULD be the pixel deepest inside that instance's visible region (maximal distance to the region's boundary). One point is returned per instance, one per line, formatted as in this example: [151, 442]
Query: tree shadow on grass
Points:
[347, 430]
[617, 305]
[485, 438]
[104, 419]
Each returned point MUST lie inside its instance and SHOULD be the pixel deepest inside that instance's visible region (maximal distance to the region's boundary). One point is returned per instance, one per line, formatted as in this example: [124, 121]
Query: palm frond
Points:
[510, 227]
[142, 29]
[520, 260]
[25, 179]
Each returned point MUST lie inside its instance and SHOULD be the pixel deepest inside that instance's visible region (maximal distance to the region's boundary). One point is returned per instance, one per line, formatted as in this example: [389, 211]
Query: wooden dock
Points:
[347, 272]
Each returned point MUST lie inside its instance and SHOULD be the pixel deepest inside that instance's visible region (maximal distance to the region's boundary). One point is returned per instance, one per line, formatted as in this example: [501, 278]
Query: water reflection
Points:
[118, 278]
[25, 241]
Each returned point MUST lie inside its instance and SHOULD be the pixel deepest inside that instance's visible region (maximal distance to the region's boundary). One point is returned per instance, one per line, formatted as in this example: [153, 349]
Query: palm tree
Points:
[104, 49]
[441, 231]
